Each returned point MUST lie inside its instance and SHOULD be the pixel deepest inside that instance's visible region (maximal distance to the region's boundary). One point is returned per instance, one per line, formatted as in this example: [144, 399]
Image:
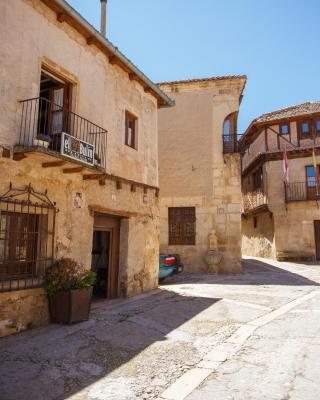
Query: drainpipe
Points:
[103, 24]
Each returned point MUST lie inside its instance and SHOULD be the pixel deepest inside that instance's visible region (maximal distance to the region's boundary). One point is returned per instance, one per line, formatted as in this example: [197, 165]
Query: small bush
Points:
[67, 274]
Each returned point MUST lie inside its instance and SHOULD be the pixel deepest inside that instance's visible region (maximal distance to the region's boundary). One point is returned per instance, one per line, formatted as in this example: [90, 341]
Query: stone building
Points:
[282, 220]
[199, 172]
[78, 160]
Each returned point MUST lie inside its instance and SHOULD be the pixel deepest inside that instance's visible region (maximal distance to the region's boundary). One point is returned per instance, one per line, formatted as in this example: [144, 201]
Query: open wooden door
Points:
[108, 228]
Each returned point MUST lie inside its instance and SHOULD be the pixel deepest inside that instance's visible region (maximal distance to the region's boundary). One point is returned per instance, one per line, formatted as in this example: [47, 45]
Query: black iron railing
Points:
[302, 191]
[45, 124]
[231, 143]
[253, 200]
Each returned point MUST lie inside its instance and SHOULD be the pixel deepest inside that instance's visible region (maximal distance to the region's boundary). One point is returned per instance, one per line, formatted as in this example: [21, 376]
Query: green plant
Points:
[67, 274]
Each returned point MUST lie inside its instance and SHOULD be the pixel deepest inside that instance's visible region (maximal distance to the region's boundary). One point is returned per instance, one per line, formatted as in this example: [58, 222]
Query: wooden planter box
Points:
[70, 306]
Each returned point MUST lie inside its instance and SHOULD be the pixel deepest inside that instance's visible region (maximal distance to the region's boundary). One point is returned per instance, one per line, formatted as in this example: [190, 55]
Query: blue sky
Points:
[276, 43]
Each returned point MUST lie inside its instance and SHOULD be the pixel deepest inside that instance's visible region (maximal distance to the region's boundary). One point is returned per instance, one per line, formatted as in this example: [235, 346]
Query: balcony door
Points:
[54, 106]
[312, 182]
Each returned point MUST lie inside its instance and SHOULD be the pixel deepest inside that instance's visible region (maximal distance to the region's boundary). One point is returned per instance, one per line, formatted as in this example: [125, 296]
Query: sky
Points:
[276, 43]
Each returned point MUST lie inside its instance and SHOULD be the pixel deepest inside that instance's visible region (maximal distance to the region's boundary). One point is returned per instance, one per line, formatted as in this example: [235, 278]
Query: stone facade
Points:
[194, 172]
[101, 92]
[279, 228]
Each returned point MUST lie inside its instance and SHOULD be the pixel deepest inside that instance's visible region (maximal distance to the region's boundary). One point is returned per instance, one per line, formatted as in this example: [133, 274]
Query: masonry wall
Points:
[258, 241]
[293, 221]
[194, 172]
[102, 92]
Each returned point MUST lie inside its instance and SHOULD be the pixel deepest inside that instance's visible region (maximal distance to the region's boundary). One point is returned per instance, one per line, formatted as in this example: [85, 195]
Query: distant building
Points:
[199, 170]
[78, 160]
[282, 220]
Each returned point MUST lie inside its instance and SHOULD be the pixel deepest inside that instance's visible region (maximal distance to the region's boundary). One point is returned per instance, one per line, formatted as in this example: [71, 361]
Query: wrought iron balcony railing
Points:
[231, 143]
[49, 127]
[302, 191]
[253, 200]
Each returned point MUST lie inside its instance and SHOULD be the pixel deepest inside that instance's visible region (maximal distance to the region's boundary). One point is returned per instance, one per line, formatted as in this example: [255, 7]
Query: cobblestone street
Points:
[254, 335]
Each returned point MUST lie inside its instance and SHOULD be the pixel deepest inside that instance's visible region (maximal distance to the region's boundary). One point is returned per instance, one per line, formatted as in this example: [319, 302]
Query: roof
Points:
[289, 112]
[298, 110]
[65, 13]
[213, 78]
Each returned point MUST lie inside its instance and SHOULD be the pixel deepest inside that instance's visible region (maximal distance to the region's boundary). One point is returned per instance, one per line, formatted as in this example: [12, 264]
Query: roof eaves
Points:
[66, 8]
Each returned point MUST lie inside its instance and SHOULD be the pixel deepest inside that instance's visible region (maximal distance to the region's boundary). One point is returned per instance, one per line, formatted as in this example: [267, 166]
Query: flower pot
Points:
[70, 306]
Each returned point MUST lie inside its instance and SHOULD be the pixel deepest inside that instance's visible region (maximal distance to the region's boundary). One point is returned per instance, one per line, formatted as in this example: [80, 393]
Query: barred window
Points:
[182, 227]
[26, 238]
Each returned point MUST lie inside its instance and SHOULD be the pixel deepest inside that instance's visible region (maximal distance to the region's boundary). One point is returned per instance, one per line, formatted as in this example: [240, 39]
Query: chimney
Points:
[103, 26]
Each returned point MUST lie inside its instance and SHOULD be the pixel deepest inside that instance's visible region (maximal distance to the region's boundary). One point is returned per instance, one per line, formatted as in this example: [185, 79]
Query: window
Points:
[26, 238]
[317, 123]
[182, 225]
[131, 130]
[284, 129]
[258, 179]
[304, 129]
[311, 180]
[230, 125]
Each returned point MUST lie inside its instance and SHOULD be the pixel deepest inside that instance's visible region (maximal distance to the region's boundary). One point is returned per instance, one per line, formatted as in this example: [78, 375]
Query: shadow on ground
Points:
[58, 361]
[255, 272]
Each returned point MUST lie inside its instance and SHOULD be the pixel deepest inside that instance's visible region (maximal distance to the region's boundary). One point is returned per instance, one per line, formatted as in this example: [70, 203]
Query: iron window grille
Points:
[27, 227]
[182, 226]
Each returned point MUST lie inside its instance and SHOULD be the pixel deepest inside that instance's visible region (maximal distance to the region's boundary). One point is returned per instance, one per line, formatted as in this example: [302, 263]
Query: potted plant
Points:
[97, 160]
[69, 288]
[42, 140]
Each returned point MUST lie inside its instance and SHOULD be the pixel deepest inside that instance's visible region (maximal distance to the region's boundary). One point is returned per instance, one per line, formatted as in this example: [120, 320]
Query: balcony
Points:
[231, 144]
[254, 201]
[302, 191]
[47, 128]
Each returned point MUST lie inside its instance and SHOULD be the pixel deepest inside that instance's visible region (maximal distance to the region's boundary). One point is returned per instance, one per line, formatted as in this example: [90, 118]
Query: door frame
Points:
[110, 223]
[316, 242]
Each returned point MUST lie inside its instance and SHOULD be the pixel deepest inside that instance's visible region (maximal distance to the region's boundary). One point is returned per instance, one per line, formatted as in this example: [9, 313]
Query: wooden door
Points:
[317, 238]
[110, 224]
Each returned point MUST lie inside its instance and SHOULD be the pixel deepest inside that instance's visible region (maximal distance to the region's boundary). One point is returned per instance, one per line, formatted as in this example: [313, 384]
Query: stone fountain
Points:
[213, 257]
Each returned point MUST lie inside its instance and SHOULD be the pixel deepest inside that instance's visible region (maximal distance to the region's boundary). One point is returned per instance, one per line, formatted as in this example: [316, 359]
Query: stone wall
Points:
[194, 172]
[101, 93]
[24, 309]
[259, 241]
[293, 221]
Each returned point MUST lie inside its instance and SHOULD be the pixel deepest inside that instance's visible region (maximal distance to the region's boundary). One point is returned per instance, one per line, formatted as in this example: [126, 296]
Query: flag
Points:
[315, 170]
[285, 166]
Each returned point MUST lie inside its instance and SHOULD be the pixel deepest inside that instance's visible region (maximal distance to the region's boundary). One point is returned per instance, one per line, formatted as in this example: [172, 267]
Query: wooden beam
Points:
[145, 190]
[157, 192]
[5, 152]
[119, 185]
[133, 187]
[90, 177]
[19, 156]
[102, 182]
[62, 17]
[72, 170]
[113, 60]
[90, 40]
[147, 89]
[134, 77]
[51, 164]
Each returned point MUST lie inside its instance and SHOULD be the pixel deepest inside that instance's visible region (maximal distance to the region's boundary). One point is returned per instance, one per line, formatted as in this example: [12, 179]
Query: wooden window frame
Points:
[129, 117]
[180, 219]
[317, 131]
[301, 134]
[280, 128]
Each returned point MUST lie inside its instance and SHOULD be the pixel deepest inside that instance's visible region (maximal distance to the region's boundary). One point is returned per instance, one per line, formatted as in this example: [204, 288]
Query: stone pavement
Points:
[249, 336]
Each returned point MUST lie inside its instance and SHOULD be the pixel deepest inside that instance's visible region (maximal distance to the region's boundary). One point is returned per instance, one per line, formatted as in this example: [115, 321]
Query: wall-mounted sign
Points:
[77, 149]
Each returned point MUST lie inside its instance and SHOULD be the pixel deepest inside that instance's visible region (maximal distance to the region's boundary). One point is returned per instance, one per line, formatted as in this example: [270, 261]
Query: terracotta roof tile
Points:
[289, 112]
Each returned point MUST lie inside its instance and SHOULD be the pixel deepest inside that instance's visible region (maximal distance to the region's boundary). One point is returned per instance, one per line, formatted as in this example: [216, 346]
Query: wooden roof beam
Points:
[51, 164]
